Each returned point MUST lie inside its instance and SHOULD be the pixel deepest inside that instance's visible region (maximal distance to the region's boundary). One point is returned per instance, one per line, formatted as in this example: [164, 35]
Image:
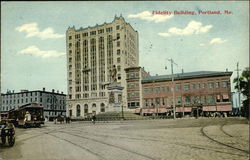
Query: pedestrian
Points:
[93, 119]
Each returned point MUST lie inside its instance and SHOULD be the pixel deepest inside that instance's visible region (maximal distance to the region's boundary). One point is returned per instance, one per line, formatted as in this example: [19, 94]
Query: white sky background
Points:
[33, 38]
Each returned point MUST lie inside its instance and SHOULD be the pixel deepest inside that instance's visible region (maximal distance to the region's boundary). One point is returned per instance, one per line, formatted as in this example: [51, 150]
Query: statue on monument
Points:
[113, 74]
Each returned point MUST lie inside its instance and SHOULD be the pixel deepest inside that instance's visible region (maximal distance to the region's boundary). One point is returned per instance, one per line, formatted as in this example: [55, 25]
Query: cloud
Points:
[32, 30]
[193, 27]
[148, 16]
[217, 41]
[35, 51]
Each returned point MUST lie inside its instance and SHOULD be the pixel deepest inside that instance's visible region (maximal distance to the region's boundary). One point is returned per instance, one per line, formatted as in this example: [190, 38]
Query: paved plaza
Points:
[180, 139]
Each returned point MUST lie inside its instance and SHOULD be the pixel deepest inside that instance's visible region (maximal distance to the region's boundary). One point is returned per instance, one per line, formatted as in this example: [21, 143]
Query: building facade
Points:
[93, 55]
[134, 86]
[54, 103]
[211, 91]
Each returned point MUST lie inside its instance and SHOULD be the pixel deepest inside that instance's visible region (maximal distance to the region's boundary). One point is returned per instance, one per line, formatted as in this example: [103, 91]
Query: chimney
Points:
[53, 90]
[57, 91]
[226, 70]
[156, 74]
[182, 71]
[61, 92]
[43, 89]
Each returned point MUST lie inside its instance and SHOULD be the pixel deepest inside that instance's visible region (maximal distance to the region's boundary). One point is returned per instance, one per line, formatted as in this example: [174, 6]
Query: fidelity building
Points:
[92, 54]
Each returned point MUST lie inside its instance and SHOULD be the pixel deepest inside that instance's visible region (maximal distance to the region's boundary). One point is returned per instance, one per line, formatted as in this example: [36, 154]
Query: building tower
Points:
[92, 53]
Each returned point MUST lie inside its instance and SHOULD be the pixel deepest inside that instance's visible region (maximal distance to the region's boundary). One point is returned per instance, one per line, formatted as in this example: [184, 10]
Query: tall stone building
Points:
[92, 54]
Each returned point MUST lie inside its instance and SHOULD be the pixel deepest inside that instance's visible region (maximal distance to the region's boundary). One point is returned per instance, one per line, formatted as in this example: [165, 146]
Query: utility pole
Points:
[238, 81]
[172, 71]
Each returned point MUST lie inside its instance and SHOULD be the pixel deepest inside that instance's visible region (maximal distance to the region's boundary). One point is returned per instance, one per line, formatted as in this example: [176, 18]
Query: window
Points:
[118, 52]
[167, 89]
[85, 34]
[203, 85]
[117, 27]
[157, 89]
[163, 103]
[187, 99]
[102, 107]
[211, 85]
[178, 100]
[109, 29]
[210, 99]
[118, 68]
[157, 101]
[178, 87]
[186, 87]
[146, 102]
[217, 85]
[118, 43]
[77, 36]
[93, 33]
[117, 36]
[224, 84]
[70, 37]
[145, 90]
[194, 86]
[163, 89]
[100, 31]
[78, 110]
[70, 59]
[118, 60]
[152, 102]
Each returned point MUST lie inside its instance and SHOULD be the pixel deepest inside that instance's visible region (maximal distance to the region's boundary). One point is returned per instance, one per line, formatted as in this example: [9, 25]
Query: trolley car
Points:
[29, 115]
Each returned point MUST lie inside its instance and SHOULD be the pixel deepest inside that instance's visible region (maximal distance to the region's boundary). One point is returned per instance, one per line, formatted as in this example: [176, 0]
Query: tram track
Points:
[111, 145]
[158, 141]
[222, 143]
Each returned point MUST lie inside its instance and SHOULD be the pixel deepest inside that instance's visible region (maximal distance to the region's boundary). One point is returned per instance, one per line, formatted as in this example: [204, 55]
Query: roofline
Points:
[34, 91]
[187, 77]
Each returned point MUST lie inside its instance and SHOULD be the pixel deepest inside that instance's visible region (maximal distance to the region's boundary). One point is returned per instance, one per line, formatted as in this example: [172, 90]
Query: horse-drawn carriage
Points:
[7, 130]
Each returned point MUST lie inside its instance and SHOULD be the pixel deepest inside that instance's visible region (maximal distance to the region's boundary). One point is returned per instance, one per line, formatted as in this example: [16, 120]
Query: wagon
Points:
[7, 132]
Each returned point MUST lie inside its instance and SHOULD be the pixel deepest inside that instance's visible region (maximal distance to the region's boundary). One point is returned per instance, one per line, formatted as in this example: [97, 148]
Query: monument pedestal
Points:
[115, 97]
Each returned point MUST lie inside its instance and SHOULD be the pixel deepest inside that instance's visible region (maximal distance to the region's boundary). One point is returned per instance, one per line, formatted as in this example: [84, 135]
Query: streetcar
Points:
[28, 115]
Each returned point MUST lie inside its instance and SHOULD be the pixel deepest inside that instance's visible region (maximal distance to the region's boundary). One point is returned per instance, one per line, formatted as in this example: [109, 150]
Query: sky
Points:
[33, 45]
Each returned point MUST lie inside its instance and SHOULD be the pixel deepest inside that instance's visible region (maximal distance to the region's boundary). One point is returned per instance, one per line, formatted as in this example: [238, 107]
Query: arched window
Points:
[102, 107]
[86, 109]
[78, 110]
[93, 105]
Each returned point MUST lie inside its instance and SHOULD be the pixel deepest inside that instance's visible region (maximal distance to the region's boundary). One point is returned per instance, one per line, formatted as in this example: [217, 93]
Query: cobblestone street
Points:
[180, 139]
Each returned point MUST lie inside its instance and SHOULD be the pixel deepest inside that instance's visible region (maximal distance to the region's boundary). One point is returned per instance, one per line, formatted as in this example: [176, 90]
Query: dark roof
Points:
[27, 91]
[188, 75]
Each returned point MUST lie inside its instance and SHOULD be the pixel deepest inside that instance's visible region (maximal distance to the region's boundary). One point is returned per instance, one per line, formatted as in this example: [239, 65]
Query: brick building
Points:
[134, 87]
[208, 91]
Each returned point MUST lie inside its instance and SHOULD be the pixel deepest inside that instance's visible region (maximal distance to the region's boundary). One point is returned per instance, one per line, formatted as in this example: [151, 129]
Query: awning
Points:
[224, 108]
[148, 111]
[209, 108]
[155, 110]
[181, 109]
[218, 108]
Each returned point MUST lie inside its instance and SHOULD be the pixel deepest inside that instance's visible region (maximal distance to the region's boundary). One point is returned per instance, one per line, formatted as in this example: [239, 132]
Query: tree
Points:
[244, 87]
